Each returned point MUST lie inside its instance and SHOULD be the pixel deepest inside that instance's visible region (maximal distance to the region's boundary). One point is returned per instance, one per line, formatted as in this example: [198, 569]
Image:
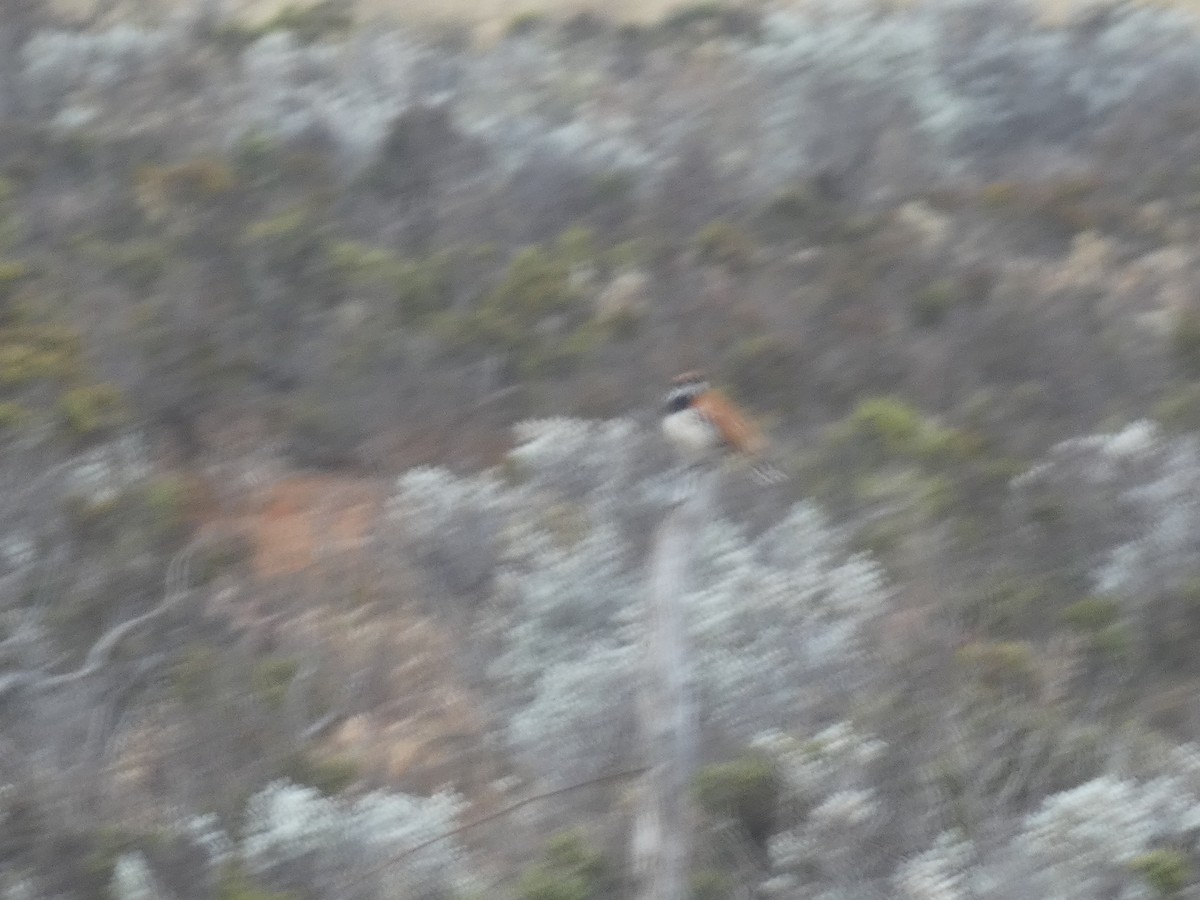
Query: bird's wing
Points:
[735, 429]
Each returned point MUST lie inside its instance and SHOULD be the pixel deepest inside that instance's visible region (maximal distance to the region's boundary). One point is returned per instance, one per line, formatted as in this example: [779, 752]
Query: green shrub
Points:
[745, 790]
[1092, 614]
[1002, 665]
[525, 23]
[1166, 870]
[724, 244]
[933, 302]
[537, 284]
[614, 186]
[1113, 642]
[12, 274]
[315, 22]
[255, 157]
[709, 18]
[569, 870]
[890, 421]
[890, 427]
[1179, 408]
[13, 416]
[329, 775]
[36, 352]
[90, 409]
[236, 884]
[800, 211]
[168, 500]
[421, 287]
[271, 680]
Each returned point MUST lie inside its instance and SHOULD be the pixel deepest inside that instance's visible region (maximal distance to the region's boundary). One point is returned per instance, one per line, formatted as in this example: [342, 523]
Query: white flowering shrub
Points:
[816, 89]
[775, 619]
[350, 92]
[978, 77]
[1120, 512]
[58, 63]
[98, 475]
[343, 848]
[830, 808]
[132, 879]
[1083, 842]
[940, 873]
[206, 833]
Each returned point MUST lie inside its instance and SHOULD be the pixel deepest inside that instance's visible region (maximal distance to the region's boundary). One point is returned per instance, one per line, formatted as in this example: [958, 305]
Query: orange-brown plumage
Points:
[700, 420]
[736, 431]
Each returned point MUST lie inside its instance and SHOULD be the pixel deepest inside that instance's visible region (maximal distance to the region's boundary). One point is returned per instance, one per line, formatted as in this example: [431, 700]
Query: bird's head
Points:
[684, 390]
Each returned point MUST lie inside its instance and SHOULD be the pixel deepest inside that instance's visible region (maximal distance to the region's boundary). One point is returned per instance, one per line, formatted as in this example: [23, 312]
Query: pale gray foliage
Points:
[981, 75]
[338, 841]
[1130, 501]
[941, 873]
[776, 619]
[830, 808]
[132, 879]
[57, 63]
[207, 834]
[1078, 844]
[351, 92]
[818, 90]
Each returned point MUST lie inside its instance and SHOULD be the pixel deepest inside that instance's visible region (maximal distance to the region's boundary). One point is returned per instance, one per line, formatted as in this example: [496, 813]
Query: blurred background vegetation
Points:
[283, 593]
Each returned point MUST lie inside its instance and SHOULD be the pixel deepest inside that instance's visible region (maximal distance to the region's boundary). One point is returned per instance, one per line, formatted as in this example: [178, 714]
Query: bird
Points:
[701, 423]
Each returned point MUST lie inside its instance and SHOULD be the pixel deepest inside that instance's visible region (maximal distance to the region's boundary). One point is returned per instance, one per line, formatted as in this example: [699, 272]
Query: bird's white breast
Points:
[691, 434]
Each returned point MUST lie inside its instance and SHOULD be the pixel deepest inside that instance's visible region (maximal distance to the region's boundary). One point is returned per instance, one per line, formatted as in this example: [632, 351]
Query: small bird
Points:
[701, 423]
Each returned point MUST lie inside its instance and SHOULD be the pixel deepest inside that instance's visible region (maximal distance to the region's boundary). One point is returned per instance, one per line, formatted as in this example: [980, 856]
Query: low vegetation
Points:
[944, 251]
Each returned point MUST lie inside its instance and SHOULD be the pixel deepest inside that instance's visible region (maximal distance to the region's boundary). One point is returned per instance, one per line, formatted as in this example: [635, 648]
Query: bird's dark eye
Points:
[677, 402]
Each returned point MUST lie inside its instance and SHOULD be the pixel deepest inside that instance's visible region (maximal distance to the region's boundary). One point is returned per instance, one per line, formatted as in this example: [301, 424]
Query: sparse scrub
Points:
[302, 241]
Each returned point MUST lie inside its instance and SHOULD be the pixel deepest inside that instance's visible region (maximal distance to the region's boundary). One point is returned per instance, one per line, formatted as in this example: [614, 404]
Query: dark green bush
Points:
[745, 790]
[934, 301]
[569, 870]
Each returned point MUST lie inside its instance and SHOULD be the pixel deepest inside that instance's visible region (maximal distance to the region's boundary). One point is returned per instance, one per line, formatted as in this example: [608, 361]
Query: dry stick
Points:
[662, 832]
[483, 820]
[175, 589]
